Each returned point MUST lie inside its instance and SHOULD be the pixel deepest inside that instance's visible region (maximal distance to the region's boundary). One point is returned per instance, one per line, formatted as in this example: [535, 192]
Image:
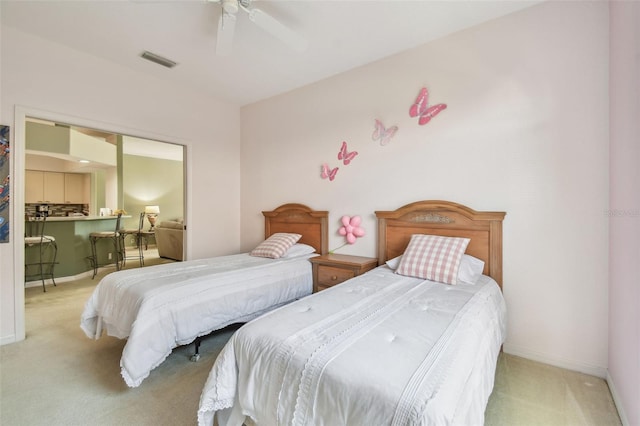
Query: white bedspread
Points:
[380, 349]
[160, 307]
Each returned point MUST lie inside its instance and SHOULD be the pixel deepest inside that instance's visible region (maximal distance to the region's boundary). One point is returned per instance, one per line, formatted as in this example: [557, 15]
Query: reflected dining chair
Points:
[47, 249]
[137, 234]
[116, 239]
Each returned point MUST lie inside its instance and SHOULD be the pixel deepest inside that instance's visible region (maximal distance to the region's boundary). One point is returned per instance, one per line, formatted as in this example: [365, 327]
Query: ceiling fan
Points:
[227, 25]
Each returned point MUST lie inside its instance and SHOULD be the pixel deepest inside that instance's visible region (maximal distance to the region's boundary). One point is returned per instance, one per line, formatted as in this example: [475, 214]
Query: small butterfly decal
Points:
[328, 173]
[346, 156]
[383, 134]
[421, 108]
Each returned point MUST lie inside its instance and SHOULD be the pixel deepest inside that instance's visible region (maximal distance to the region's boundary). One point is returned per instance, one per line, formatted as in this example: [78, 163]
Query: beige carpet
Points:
[529, 393]
[57, 376]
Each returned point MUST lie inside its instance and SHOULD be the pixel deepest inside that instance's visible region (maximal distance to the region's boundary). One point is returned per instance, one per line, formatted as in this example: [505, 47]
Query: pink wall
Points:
[526, 131]
[624, 220]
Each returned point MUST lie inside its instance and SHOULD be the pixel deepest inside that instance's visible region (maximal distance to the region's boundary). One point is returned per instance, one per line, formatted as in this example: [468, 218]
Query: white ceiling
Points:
[341, 35]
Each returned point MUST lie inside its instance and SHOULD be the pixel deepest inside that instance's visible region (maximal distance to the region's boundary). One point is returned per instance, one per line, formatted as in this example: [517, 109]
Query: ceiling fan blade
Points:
[226, 29]
[278, 30]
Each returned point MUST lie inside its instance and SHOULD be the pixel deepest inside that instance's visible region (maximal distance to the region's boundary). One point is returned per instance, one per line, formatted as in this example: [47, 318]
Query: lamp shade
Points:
[152, 209]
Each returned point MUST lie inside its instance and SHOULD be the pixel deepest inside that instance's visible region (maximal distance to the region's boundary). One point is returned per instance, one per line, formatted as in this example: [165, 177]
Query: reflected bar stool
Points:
[46, 244]
[115, 237]
[137, 234]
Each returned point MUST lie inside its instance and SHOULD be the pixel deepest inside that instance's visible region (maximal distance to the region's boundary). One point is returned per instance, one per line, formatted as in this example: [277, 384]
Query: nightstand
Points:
[332, 269]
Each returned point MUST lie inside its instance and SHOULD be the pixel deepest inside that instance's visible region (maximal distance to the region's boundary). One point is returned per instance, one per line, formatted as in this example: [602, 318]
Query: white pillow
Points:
[470, 269]
[393, 263]
[433, 257]
[276, 245]
[299, 250]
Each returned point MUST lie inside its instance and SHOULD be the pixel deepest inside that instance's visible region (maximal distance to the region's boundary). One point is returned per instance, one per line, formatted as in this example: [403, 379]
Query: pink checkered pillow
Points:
[433, 257]
[276, 245]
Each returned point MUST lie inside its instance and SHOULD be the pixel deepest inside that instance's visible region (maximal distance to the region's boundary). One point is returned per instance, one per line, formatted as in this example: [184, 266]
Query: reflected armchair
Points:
[170, 239]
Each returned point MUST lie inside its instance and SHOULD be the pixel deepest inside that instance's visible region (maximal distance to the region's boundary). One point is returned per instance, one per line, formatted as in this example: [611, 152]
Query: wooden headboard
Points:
[444, 218]
[313, 225]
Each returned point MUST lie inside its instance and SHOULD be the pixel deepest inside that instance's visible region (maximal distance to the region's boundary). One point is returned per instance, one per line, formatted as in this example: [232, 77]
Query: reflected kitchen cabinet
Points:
[56, 187]
[44, 187]
[77, 188]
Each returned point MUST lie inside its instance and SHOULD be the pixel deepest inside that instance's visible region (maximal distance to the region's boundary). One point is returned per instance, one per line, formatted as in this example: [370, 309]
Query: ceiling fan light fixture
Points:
[227, 23]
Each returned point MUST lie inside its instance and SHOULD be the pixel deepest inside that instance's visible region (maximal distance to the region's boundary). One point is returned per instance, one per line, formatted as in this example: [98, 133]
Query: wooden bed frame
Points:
[299, 219]
[444, 218]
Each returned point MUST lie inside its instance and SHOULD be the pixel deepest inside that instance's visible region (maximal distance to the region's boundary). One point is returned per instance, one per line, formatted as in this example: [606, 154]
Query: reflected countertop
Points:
[81, 218]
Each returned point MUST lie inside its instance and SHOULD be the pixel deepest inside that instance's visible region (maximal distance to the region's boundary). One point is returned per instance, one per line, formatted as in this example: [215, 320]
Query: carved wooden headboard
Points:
[299, 219]
[447, 219]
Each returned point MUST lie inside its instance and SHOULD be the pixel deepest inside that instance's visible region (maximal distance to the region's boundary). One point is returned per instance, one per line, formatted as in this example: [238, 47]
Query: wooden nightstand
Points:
[332, 269]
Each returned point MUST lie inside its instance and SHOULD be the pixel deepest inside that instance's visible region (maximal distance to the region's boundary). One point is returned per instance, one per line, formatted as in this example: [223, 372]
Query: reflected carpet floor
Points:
[57, 376]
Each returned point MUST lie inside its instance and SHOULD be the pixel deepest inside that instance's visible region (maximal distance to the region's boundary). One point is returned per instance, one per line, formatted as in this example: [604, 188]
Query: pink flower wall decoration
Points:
[351, 228]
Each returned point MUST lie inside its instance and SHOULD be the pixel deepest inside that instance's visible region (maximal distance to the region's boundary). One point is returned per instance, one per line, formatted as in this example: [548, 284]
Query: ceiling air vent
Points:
[158, 59]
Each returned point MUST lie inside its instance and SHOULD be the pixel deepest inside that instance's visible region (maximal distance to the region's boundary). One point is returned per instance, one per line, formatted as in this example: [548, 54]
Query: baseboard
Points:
[617, 401]
[38, 283]
[573, 365]
[8, 339]
[61, 280]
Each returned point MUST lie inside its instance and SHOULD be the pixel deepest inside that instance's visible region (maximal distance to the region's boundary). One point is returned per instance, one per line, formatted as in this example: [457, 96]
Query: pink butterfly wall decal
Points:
[422, 109]
[328, 173]
[345, 155]
[382, 134]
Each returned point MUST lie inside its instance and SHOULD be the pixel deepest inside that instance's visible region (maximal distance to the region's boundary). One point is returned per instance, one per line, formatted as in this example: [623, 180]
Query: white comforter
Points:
[380, 349]
[160, 307]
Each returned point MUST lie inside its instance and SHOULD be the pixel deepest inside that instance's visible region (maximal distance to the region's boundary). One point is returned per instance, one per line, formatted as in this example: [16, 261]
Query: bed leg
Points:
[196, 356]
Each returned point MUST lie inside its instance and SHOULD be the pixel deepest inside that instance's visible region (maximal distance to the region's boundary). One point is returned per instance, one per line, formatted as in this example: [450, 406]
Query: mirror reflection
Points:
[78, 180]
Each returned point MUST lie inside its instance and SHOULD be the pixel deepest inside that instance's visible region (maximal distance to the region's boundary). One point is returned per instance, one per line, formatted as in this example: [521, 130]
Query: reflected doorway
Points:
[21, 114]
[109, 172]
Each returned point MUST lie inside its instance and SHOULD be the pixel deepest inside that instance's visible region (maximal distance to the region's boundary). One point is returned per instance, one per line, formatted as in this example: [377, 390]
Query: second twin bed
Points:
[414, 341]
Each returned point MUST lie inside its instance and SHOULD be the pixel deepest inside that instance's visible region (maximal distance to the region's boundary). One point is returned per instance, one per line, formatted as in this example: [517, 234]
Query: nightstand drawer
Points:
[331, 269]
[329, 276]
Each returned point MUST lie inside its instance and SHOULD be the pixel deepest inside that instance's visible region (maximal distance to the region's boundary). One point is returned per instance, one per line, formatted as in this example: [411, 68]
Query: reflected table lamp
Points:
[152, 214]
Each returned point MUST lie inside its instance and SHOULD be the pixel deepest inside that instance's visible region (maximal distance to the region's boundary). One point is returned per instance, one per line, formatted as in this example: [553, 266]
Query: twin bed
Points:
[381, 348]
[161, 307]
[386, 347]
